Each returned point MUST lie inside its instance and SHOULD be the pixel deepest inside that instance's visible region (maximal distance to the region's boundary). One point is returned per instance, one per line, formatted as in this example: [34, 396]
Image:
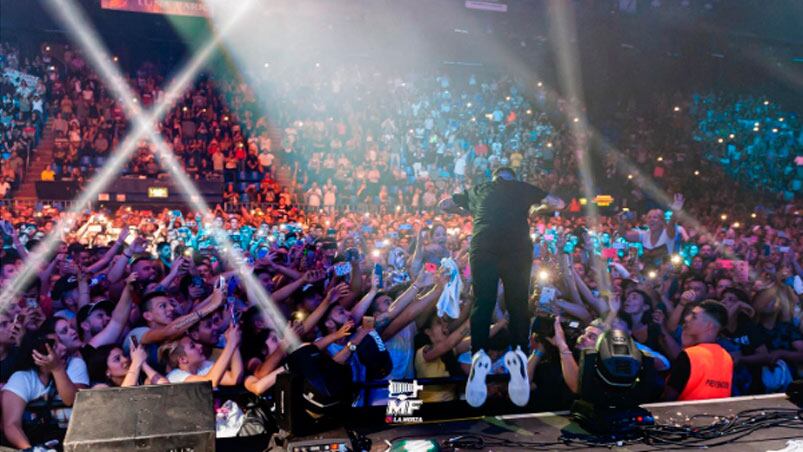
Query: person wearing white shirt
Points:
[189, 364]
[46, 373]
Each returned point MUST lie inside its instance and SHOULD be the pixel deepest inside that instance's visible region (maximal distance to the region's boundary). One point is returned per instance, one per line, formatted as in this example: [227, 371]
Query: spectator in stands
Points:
[48, 175]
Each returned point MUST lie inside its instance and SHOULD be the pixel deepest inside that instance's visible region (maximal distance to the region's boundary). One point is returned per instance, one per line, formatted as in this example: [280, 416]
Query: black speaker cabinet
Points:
[177, 417]
[291, 412]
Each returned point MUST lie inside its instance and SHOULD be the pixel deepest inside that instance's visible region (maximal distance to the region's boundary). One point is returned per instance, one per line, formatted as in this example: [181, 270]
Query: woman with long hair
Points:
[48, 373]
[109, 367]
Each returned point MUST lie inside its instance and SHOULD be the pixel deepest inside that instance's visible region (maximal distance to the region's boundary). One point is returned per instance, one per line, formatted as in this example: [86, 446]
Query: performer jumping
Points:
[500, 248]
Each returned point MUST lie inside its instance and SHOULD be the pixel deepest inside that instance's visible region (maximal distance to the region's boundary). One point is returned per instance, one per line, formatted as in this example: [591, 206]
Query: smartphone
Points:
[32, 303]
[134, 341]
[430, 267]
[97, 280]
[262, 252]
[221, 283]
[41, 345]
[231, 287]
[342, 268]
[233, 314]
[547, 295]
[379, 273]
[368, 322]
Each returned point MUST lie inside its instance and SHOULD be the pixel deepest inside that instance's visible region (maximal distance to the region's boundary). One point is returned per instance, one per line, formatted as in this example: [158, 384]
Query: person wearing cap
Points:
[103, 322]
[703, 370]
[501, 248]
[67, 295]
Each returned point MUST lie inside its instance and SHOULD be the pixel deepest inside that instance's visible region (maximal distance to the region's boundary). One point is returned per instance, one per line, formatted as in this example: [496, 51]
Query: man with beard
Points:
[103, 322]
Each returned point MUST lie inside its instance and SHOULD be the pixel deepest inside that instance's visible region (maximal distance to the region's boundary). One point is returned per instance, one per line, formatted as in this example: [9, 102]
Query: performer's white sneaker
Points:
[476, 390]
[518, 389]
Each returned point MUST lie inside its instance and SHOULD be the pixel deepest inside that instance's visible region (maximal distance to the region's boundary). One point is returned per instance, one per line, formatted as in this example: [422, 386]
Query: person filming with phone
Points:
[500, 249]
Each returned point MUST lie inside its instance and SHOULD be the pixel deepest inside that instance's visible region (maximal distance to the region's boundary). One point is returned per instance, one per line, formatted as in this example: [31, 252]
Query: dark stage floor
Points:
[546, 427]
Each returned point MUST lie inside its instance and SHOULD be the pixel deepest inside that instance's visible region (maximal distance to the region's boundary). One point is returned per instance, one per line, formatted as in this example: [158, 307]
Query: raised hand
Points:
[123, 234]
[313, 276]
[138, 245]
[560, 335]
[345, 330]
[336, 293]
[615, 304]
[687, 297]
[138, 355]
[677, 203]
[425, 279]
[233, 335]
[50, 362]
[659, 318]
[131, 279]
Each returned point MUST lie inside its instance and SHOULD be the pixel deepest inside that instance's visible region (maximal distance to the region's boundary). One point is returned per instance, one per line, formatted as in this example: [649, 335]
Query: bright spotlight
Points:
[543, 275]
[676, 108]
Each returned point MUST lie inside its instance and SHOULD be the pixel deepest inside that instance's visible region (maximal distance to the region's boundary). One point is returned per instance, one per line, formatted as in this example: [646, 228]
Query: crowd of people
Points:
[22, 113]
[354, 136]
[133, 297]
[754, 139]
[141, 297]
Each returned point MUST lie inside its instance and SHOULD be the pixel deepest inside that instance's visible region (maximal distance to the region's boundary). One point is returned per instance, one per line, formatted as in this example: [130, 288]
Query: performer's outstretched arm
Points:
[449, 206]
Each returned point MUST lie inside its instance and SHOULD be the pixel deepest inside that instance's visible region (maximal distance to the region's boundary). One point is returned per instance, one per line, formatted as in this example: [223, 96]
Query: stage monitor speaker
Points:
[177, 417]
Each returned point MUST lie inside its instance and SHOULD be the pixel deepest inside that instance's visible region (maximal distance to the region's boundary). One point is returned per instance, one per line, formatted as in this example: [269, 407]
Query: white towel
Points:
[449, 302]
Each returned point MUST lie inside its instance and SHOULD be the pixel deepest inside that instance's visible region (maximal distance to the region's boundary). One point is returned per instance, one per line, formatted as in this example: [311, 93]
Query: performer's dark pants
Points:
[486, 270]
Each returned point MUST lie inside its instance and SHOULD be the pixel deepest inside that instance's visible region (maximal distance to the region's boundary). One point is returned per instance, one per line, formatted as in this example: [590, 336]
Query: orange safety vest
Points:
[711, 373]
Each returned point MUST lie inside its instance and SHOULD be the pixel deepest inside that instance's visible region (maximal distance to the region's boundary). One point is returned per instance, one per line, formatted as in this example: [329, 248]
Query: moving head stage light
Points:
[615, 379]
